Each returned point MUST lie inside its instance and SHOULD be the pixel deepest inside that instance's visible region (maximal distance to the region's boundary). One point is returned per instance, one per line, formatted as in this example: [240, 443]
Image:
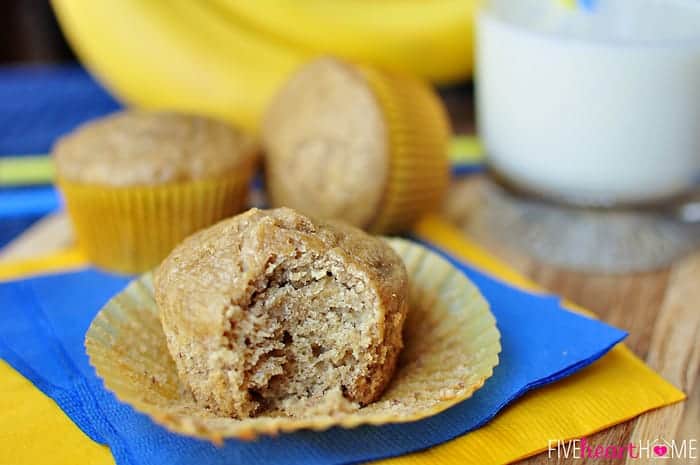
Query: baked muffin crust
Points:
[272, 312]
[133, 147]
[329, 163]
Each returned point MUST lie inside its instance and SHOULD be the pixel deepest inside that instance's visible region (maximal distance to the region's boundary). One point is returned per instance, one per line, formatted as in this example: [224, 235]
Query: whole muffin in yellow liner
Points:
[451, 346]
[351, 142]
[136, 183]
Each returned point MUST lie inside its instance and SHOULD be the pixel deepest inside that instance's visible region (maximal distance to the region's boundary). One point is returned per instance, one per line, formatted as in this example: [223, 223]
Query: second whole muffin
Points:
[136, 183]
[350, 142]
[273, 313]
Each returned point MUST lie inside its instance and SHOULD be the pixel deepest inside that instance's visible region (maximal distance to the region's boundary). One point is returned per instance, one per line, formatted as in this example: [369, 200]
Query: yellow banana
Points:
[430, 38]
[227, 58]
[179, 54]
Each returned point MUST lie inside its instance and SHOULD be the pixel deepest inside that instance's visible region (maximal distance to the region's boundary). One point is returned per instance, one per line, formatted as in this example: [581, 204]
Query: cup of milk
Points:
[595, 106]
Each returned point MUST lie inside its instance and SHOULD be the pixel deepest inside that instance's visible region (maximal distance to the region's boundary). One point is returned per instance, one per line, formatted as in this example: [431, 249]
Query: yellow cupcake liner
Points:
[131, 229]
[451, 346]
[418, 134]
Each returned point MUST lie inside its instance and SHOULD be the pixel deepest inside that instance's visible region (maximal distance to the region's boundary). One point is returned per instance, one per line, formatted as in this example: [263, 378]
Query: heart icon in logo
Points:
[660, 450]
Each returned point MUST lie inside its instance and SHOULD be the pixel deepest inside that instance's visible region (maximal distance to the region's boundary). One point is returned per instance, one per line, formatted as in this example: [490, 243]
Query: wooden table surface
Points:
[660, 309]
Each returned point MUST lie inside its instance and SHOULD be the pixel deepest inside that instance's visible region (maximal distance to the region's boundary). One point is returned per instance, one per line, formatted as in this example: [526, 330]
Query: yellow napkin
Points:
[34, 430]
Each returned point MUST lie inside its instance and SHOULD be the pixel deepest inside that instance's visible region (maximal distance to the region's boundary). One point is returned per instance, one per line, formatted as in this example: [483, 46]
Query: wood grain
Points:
[659, 309]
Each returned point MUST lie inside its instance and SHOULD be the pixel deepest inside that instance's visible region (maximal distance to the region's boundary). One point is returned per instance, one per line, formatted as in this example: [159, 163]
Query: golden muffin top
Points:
[131, 148]
[326, 148]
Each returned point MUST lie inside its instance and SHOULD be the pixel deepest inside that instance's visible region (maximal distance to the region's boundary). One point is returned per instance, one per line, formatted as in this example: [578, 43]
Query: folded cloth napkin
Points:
[45, 318]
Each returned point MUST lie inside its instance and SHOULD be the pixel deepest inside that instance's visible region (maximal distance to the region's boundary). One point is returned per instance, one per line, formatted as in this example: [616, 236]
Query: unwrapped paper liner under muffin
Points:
[131, 229]
[451, 346]
[418, 134]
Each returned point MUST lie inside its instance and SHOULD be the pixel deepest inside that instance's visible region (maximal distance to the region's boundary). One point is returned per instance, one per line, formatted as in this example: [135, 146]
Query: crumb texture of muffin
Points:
[132, 148]
[273, 313]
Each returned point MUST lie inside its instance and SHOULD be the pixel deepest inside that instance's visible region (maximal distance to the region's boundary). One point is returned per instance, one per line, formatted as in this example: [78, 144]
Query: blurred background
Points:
[43, 88]
[29, 33]
[562, 128]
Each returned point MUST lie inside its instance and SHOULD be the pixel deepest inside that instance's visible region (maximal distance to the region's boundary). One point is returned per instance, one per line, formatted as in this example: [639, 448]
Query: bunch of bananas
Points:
[227, 58]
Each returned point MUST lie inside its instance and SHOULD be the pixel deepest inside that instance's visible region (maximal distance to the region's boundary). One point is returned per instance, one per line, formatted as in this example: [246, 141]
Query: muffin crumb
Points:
[279, 314]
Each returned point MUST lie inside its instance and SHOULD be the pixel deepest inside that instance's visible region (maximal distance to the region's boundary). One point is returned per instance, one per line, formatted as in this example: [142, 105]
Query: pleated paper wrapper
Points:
[418, 133]
[131, 229]
[451, 346]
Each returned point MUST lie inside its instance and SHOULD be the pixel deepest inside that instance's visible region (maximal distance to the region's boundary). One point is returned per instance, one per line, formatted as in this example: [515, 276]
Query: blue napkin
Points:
[37, 105]
[43, 321]
[17, 202]
[41, 103]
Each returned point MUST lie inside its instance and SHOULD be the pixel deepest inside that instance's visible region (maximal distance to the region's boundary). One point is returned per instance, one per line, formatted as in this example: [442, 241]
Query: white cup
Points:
[591, 107]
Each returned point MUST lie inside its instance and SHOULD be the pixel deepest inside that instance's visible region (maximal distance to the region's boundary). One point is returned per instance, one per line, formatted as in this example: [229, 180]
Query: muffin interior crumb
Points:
[302, 332]
[272, 313]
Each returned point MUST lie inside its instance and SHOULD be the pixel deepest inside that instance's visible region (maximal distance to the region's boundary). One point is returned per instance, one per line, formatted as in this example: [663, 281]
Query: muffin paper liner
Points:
[451, 348]
[131, 229]
[418, 134]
